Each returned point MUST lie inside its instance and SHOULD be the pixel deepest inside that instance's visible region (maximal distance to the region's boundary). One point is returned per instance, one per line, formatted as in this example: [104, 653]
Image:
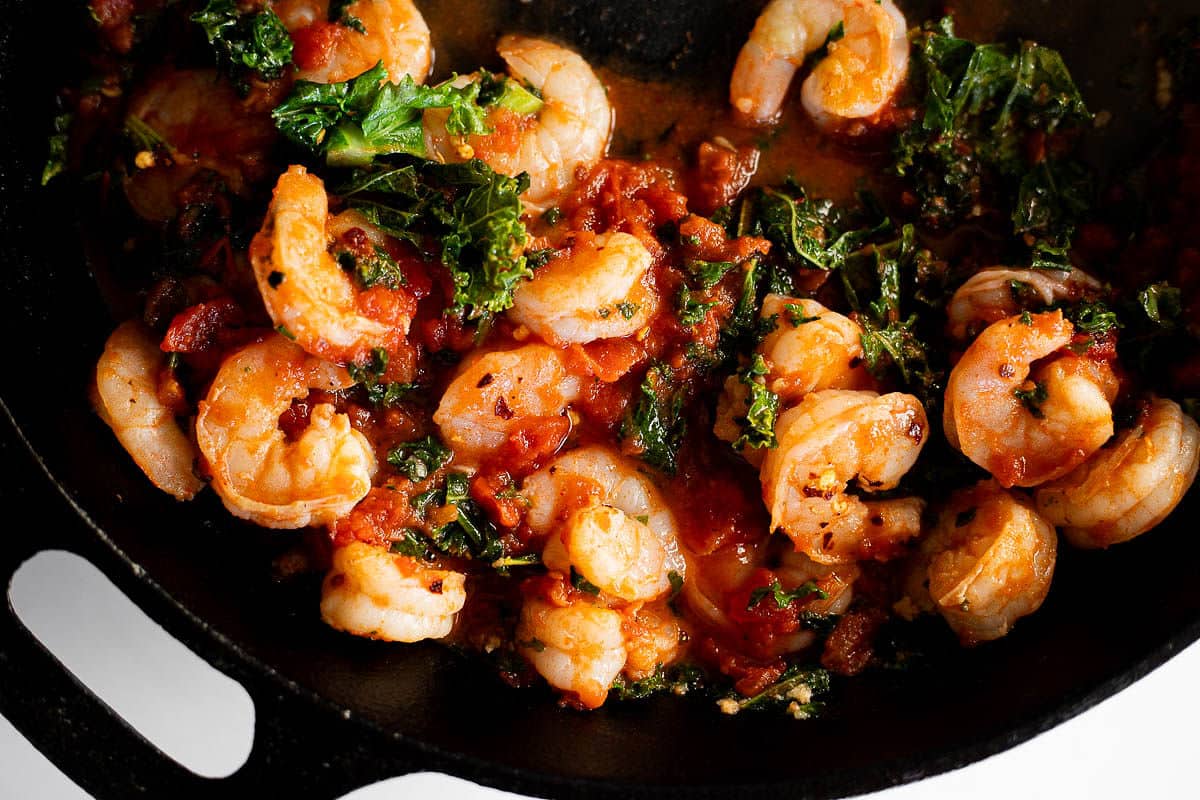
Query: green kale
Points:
[412, 543]
[811, 233]
[583, 584]
[691, 311]
[420, 459]
[655, 424]
[794, 692]
[1092, 317]
[782, 598]
[706, 274]
[1033, 399]
[255, 41]
[369, 374]
[56, 159]
[352, 122]
[1161, 303]
[473, 212]
[979, 140]
[338, 13]
[375, 269]
[889, 337]
[762, 408]
[679, 679]
[471, 534]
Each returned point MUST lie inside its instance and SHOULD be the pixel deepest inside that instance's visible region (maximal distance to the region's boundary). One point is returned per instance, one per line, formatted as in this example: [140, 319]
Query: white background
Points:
[1139, 744]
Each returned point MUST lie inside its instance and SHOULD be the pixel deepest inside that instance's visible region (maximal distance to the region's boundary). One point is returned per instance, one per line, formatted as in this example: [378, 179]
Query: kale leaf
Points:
[352, 122]
[655, 424]
[257, 41]
[762, 408]
[420, 459]
[471, 211]
[981, 139]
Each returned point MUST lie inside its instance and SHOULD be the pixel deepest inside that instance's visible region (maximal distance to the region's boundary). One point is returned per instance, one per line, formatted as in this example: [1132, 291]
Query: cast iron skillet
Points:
[333, 712]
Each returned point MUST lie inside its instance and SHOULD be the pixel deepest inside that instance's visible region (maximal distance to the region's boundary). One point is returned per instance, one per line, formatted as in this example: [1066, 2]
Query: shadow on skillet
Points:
[1110, 616]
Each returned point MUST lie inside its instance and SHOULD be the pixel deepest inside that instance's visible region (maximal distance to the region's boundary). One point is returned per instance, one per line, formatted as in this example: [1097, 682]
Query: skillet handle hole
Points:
[191, 712]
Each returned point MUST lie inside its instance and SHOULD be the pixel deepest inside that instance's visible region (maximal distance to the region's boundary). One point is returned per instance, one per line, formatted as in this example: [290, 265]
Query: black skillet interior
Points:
[1110, 616]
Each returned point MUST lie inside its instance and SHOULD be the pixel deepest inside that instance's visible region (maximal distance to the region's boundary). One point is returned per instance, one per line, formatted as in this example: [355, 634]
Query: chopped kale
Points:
[56, 158]
[412, 543]
[980, 139]
[254, 41]
[583, 584]
[706, 274]
[369, 375]
[473, 212]
[794, 692]
[691, 311]
[352, 122]
[783, 598]
[471, 534]
[420, 459]
[679, 679]
[655, 424]
[762, 408]
[1033, 399]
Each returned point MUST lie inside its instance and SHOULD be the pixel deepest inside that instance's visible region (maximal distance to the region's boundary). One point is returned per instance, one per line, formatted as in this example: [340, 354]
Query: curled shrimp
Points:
[578, 648]
[831, 438]
[304, 288]
[570, 129]
[202, 125]
[393, 32]
[380, 595]
[259, 474]
[994, 294]
[1025, 423]
[597, 290]
[809, 348]
[1131, 485]
[858, 76]
[987, 563]
[494, 395]
[607, 521]
[126, 398]
[652, 635]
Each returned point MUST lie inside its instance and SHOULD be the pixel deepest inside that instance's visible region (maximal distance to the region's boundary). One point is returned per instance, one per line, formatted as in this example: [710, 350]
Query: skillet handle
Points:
[300, 746]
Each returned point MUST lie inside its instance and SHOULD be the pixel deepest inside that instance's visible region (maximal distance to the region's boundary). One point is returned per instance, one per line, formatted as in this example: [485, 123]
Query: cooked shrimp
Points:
[126, 398]
[303, 287]
[496, 393]
[607, 521]
[596, 291]
[571, 128]
[256, 471]
[577, 648]
[999, 292]
[988, 562]
[831, 438]
[652, 639]
[1130, 486]
[374, 593]
[1025, 423]
[810, 348]
[857, 77]
[394, 33]
[203, 125]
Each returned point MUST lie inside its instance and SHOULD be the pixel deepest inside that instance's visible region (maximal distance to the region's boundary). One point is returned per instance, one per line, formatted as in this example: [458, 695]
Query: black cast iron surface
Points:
[334, 713]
